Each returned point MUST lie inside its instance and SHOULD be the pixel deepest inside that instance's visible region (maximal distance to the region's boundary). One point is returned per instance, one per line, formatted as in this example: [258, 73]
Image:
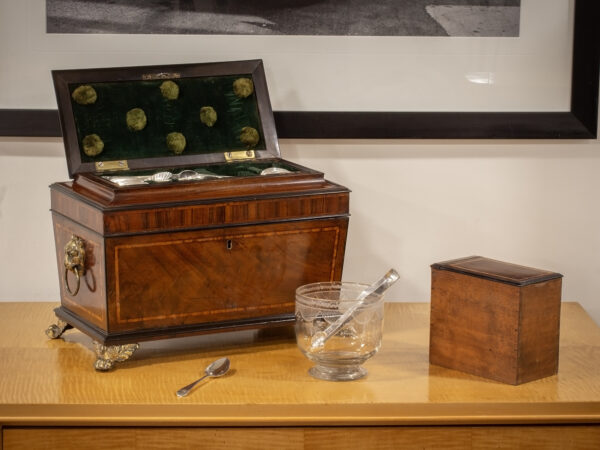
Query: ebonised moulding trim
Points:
[172, 332]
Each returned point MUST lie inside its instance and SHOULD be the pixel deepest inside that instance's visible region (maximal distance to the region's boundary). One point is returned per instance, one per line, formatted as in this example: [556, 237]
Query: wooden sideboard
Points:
[51, 396]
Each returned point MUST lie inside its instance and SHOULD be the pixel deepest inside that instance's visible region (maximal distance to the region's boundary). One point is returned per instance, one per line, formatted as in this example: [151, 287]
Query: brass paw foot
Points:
[111, 354]
[55, 331]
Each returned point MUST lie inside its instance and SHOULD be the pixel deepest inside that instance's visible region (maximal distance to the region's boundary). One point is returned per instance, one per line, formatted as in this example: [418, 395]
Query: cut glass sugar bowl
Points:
[350, 341]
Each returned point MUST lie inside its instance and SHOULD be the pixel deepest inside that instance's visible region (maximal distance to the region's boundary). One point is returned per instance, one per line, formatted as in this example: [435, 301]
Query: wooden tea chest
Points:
[495, 319]
[221, 243]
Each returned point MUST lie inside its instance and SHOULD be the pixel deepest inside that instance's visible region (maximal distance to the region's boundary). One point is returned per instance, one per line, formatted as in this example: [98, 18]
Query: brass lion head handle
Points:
[74, 262]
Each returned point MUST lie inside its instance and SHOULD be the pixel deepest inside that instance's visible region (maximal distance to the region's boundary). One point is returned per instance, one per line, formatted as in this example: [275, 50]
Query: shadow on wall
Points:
[2, 196]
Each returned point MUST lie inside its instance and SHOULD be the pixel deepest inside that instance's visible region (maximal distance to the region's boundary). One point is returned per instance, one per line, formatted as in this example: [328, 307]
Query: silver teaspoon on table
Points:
[216, 369]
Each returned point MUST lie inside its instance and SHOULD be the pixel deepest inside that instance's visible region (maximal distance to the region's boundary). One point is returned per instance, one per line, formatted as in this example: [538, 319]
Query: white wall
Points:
[413, 203]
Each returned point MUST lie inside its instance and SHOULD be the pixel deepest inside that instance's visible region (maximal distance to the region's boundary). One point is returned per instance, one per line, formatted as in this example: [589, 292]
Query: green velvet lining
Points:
[232, 169]
[131, 138]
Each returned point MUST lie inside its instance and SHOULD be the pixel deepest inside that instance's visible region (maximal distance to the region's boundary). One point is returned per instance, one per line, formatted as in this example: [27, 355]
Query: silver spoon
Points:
[184, 175]
[131, 180]
[162, 177]
[273, 171]
[378, 288]
[215, 369]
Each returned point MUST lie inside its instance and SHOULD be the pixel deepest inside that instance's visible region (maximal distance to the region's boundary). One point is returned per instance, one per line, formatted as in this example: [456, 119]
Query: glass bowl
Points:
[318, 305]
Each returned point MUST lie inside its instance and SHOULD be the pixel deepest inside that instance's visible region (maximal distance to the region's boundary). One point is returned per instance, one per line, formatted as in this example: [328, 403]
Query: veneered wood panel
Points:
[213, 214]
[166, 265]
[75, 209]
[453, 437]
[175, 279]
[153, 438]
[493, 328]
[474, 325]
[539, 330]
[314, 438]
[90, 301]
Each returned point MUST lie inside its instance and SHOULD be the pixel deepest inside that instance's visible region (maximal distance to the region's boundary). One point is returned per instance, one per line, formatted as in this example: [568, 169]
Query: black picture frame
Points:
[579, 123]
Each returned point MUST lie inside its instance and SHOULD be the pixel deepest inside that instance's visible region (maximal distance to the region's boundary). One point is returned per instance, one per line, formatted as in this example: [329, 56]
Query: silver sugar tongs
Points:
[378, 288]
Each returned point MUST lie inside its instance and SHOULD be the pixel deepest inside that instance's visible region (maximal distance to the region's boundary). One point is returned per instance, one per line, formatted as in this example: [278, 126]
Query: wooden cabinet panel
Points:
[316, 438]
[216, 275]
[90, 301]
[204, 258]
[152, 438]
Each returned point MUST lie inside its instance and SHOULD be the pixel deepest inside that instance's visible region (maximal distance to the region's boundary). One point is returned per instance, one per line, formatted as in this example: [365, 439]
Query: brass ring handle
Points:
[74, 261]
[76, 272]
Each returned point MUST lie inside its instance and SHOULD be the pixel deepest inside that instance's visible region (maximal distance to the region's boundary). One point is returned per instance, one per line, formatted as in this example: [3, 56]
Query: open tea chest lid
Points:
[491, 269]
[129, 118]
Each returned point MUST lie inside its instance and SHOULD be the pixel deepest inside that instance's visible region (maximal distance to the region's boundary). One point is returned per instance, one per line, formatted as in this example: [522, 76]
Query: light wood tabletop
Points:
[53, 383]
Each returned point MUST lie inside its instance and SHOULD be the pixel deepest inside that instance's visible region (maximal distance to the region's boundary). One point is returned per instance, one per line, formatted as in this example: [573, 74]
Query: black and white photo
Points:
[475, 18]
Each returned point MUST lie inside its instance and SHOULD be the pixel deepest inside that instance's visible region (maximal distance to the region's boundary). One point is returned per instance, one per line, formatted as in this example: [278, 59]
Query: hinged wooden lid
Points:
[164, 116]
[494, 270]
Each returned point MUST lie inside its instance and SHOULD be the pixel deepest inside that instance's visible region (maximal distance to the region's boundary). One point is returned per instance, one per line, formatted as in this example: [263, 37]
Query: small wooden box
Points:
[494, 319]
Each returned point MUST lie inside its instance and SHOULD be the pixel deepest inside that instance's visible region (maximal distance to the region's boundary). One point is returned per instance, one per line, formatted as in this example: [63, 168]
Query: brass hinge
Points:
[239, 155]
[105, 166]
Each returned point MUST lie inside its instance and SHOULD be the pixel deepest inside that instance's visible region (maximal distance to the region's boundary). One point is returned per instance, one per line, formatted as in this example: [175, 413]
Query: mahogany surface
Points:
[218, 274]
[163, 268]
[324, 201]
[173, 258]
[496, 329]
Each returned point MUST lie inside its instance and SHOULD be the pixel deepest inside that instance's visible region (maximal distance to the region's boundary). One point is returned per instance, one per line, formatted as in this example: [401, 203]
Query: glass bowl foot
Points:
[337, 373]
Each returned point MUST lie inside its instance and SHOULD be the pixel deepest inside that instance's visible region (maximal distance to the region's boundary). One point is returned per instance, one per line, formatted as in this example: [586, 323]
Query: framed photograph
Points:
[537, 80]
